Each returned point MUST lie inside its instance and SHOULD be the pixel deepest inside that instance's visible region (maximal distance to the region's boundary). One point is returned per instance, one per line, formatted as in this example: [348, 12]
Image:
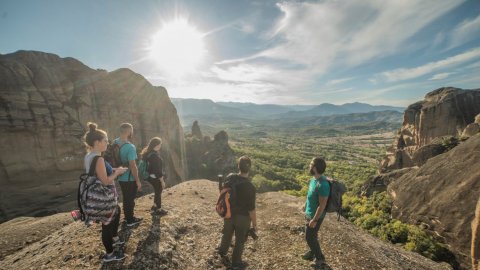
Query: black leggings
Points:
[109, 231]
[157, 186]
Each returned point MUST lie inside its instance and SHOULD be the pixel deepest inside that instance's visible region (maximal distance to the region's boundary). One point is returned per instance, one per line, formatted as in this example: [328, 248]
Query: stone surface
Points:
[426, 152]
[186, 239]
[443, 194]
[45, 102]
[444, 112]
[379, 183]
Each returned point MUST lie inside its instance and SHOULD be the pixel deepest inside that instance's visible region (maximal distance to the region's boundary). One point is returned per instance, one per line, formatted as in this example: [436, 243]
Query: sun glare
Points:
[177, 48]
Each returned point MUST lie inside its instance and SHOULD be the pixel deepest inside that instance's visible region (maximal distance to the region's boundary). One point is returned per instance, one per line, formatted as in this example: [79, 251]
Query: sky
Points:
[261, 51]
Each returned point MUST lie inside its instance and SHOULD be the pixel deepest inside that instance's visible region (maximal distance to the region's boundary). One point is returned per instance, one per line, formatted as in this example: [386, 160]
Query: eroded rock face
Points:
[442, 194]
[379, 183]
[207, 158]
[45, 102]
[444, 112]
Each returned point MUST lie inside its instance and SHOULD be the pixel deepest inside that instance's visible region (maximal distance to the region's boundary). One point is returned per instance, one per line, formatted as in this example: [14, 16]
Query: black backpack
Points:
[334, 202]
[112, 155]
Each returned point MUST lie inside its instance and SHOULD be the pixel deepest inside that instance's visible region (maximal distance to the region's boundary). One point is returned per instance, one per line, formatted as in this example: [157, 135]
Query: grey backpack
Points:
[334, 202]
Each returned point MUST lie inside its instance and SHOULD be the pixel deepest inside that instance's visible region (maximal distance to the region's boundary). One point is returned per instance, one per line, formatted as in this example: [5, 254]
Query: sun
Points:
[177, 48]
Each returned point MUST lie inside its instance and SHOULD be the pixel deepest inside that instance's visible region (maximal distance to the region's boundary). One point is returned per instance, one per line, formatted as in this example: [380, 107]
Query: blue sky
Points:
[288, 52]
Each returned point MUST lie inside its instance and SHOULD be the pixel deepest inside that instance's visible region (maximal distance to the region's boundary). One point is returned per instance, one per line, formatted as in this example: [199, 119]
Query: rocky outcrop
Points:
[186, 239]
[475, 249]
[45, 102]
[379, 183]
[472, 128]
[442, 195]
[207, 158]
[444, 112]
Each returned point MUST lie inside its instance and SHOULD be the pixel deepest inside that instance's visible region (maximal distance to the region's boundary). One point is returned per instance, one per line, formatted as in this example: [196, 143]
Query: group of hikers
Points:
[98, 190]
[127, 173]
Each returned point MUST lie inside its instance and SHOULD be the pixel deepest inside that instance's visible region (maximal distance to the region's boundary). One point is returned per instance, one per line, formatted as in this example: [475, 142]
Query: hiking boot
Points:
[118, 242]
[240, 265]
[113, 257]
[160, 211]
[308, 256]
[318, 263]
[134, 222]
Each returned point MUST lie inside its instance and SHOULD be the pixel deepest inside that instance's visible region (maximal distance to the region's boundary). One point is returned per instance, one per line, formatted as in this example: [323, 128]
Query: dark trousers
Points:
[157, 186]
[239, 225]
[311, 235]
[109, 231]
[129, 191]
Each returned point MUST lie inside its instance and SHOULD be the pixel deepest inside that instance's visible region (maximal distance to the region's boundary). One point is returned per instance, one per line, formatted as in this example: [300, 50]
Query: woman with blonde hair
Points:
[96, 141]
[151, 155]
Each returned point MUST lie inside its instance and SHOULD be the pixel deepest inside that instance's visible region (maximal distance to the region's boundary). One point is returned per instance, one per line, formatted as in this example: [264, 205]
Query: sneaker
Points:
[160, 211]
[134, 222]
[240, 265]
[318, 263]
[308, 256]
[113, 257]
[118, 242]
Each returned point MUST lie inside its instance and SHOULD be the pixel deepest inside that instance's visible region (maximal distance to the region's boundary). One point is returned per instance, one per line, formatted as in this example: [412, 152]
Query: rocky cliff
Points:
[444, 112]
[186, 239]
[206, 157]
[442, 195]
[45, 102]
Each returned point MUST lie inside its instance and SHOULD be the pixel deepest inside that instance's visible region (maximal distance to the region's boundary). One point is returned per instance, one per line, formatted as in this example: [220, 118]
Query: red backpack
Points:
[227, 198]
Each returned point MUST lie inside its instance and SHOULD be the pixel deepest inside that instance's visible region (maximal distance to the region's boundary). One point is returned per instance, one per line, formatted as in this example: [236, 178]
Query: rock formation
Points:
[442, 195]
[186, 239]
[207, 158]
[444, 112]
[45, 102]
[475, 249]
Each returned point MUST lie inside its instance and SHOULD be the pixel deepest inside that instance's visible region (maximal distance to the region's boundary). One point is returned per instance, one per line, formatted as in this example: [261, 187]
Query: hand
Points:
[163, 184]
[119, 170]
[139, 186]
[312, 223]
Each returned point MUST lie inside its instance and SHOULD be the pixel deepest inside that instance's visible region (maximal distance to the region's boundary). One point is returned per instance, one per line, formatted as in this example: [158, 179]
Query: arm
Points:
[322, 203]
[253, 217]
[134, 169]
[101, 172]
[132, 156]
[252, 213]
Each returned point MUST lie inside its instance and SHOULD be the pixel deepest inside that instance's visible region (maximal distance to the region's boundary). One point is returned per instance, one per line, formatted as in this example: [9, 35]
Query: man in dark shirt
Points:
[243, 212]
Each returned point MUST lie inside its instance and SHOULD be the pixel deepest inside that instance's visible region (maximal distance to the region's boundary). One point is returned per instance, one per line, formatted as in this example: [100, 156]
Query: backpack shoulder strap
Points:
[93, 166]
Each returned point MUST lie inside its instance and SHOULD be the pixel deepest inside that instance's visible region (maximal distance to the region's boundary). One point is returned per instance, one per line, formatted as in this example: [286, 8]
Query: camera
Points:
[252, 233]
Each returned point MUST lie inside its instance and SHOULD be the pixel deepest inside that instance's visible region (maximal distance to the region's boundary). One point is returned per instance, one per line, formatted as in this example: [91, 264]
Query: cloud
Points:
[411, 73]
[440, 76]
[464, 32]
[339, 81]
[349, 33]
[321, 36]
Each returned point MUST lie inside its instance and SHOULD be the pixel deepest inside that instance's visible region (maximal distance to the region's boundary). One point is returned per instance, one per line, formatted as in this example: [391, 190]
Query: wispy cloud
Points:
[440, 76]
[411, 73]
[339, 81]
[465, 32]
[331, 34]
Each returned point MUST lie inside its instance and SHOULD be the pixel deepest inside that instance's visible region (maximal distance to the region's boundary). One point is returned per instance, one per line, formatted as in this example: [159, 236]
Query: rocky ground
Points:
[186, 239]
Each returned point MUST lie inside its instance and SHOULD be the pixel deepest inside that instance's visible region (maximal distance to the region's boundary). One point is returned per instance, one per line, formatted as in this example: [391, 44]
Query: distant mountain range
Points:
[192, 107]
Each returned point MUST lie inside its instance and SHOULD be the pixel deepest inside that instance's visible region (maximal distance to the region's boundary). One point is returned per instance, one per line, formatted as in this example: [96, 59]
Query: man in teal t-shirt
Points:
[315, 206]
[129, 181]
